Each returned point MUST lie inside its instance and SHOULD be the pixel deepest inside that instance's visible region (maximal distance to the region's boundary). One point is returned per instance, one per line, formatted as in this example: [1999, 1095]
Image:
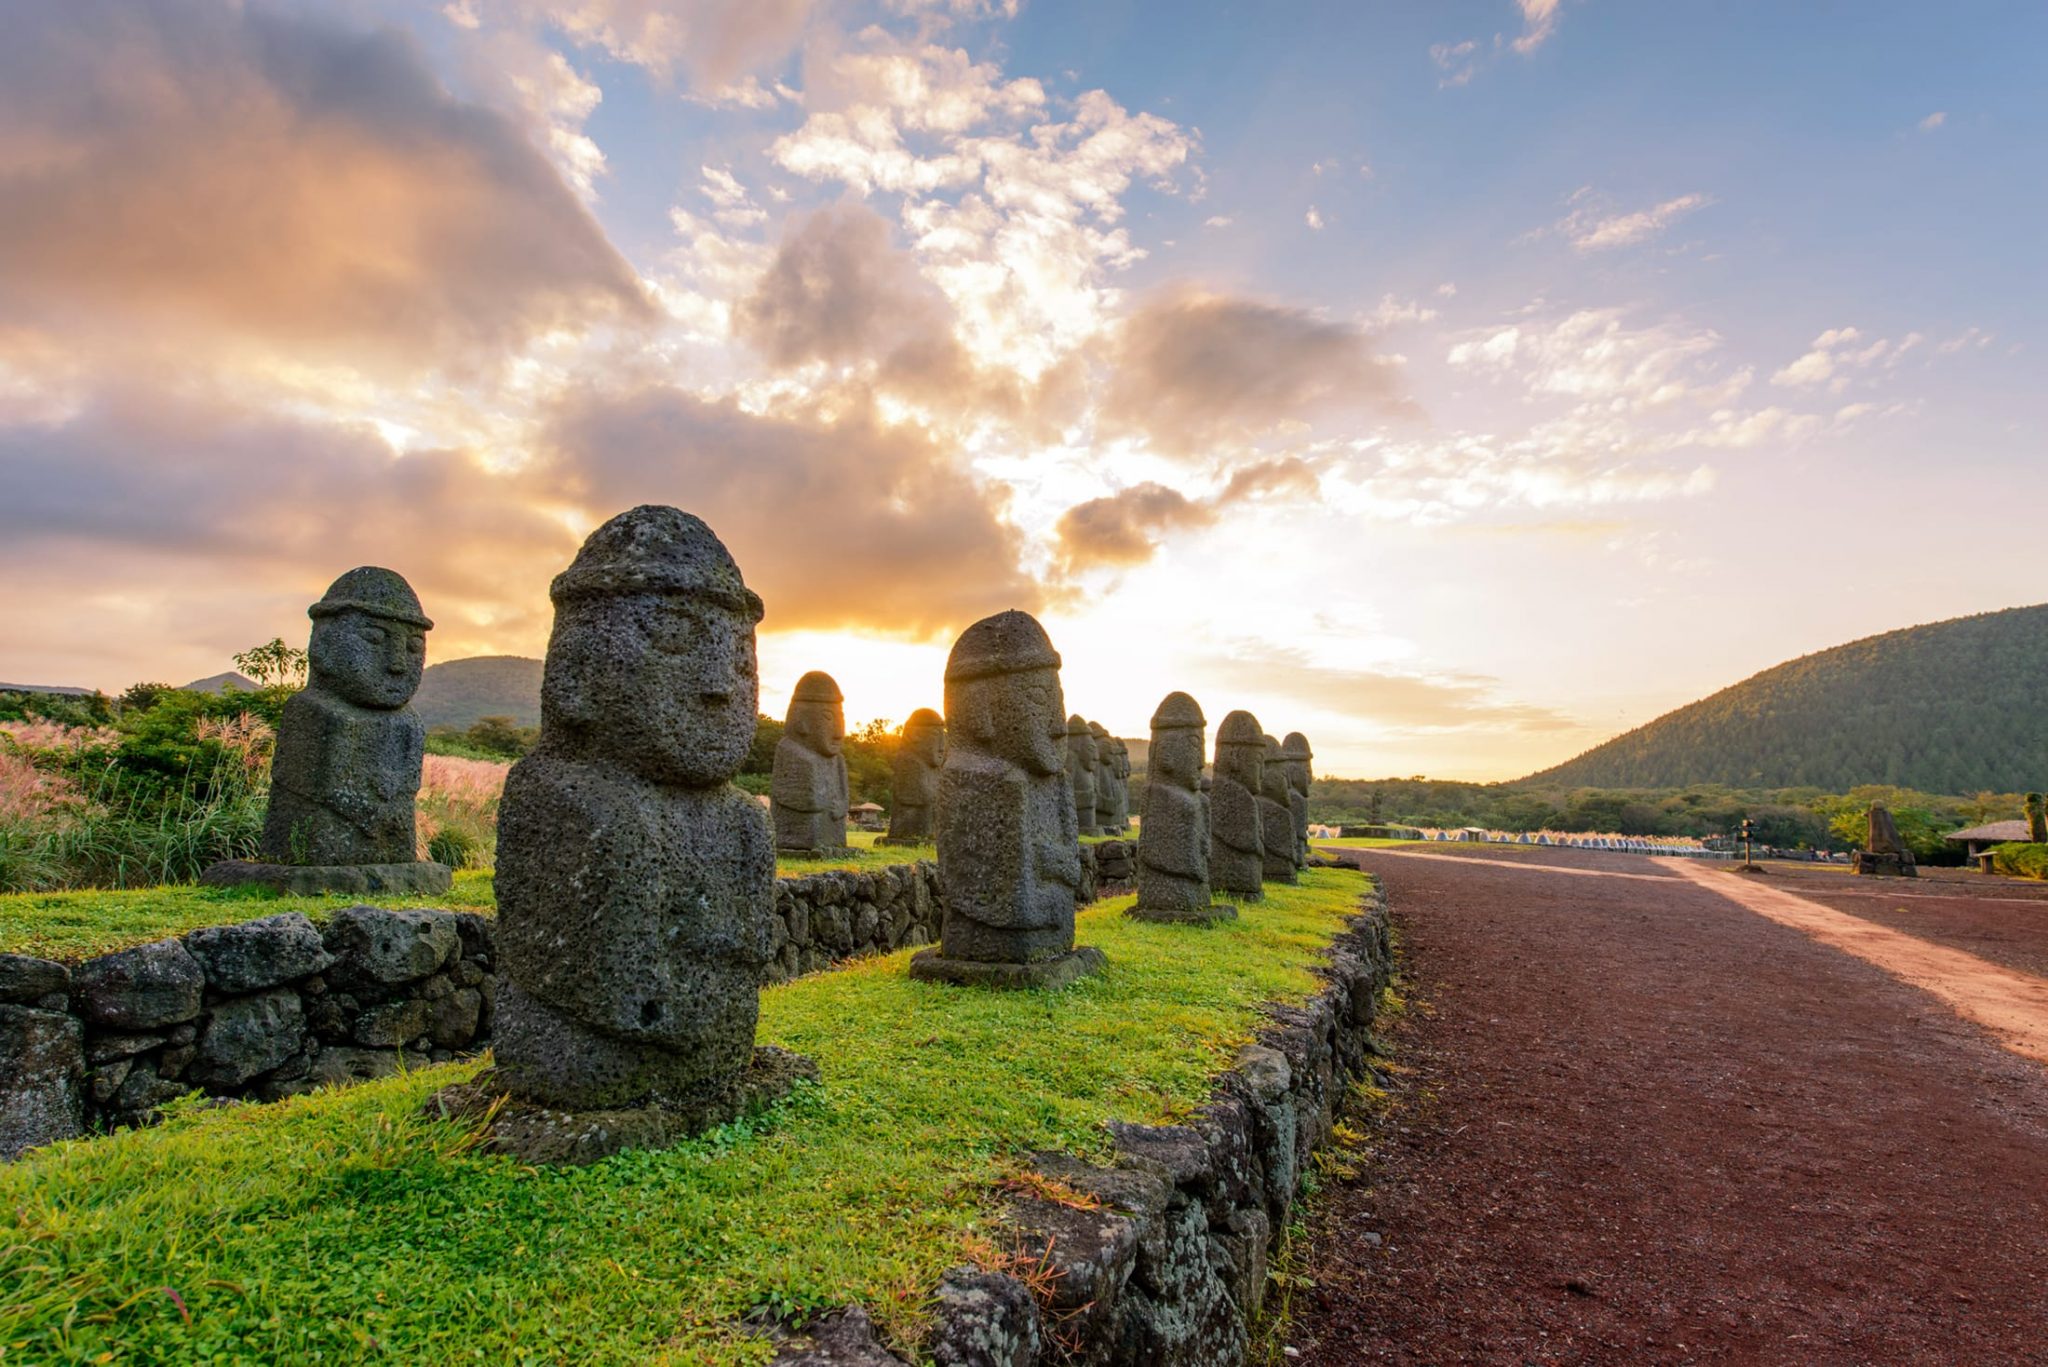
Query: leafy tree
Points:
[501, 737]
[274, 665]
[140, 697]
[2037, 820]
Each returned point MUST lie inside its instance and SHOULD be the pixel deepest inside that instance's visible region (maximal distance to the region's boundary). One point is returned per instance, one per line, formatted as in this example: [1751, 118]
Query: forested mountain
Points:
[1953, 707]
[460, 693]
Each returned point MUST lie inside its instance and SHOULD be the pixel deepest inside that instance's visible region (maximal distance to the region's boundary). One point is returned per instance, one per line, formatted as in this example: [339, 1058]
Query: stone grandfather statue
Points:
[915, 782]
[1173, 839]
[1082, 765]
[1112, 797]
[345, 777]
[1885, 853]
[1276, 816]
[1295, 756]
[635, 881]
[1009, 858]
[807, 789]
[1236, 847]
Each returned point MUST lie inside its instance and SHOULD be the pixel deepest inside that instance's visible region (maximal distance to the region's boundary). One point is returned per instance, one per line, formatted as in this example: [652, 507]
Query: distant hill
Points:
[221, 683]
[460, 693]
[59, 690]
[1953, 707]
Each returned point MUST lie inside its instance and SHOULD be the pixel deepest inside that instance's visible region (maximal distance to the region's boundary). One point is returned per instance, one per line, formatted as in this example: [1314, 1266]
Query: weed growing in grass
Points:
[345, 1227]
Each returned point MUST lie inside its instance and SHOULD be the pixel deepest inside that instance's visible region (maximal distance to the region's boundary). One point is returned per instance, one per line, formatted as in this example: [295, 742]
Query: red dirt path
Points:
[1647, 1125]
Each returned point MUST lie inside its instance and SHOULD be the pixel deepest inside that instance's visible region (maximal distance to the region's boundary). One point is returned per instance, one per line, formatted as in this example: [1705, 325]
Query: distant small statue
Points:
[1082, 765]
[1884, 853]
[1236, 848]
[1009, 858]
[1276, 816]
[915, 782]
[1112, 781]
[345, 778]
[807, 789]
[1173, 838]
[635, 882]
[1295, 755]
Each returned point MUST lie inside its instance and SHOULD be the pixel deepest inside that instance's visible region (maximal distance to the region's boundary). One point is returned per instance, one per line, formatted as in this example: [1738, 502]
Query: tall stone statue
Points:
[346, 773]
[1295, 754]
[1122, 810]
[1112, 774]
[915, 782]
[1236, 848]
[1083, 763]
[1009, 858]
[1276, 816]
[635, 882]
[1173, 839]
[1885, 853]
[807, 791]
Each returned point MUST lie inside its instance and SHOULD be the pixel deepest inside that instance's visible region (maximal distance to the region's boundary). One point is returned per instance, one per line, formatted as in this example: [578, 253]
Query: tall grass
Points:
[458, 810]
[66, 822]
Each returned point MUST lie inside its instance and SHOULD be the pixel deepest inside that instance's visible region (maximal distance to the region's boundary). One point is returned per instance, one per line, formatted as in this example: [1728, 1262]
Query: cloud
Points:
[196, 172]
[719, 47]
[839, 290]
[237, 507]
[1126, 527]
[836, 518]
[733, 206]
[1405, 703]
[1120, 528]
[1011, 209]
[1314, 218]
[1539, 21]
[1837, 352]
[1595, 227]
[1192, 370]
[1934, 121]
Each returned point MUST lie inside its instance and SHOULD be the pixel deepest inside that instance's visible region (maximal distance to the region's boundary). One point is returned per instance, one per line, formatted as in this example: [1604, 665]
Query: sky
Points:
[1460, 384]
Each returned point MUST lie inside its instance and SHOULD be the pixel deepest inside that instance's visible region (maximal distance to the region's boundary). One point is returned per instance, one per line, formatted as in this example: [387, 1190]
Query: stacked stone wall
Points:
[1166, 1263]
[277, 1006]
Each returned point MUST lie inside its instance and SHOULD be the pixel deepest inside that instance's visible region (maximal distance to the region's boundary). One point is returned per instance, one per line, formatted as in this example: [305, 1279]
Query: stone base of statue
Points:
[535, 1134]
[933, 967]
[309, 880]
[903, 841]
[1885, 865]
[1183, 916]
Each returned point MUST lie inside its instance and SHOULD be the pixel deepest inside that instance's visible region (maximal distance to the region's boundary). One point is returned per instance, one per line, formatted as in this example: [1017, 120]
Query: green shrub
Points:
[2021, 859]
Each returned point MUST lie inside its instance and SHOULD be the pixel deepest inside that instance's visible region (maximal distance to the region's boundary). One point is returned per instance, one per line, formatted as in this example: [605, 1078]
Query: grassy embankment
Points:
[343, 1227]
[77, 925]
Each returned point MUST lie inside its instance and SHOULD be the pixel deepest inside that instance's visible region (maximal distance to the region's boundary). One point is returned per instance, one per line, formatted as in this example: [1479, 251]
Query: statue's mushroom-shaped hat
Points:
[377, 592]
[1177, 711]
[817, 686]
[1010, 642]
[656, 549]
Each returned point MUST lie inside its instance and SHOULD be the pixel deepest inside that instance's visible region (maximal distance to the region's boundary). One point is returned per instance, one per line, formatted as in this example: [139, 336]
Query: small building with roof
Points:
[1977, 839]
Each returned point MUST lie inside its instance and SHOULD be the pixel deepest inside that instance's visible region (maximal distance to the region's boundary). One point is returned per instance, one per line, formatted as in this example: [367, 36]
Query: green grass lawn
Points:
[343, 1227]
[77, 925]
[1362, 842]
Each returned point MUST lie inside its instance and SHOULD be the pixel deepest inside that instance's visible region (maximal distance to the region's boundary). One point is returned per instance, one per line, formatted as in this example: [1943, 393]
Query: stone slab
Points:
[310, 880]
[534, 1134]
[933, 967]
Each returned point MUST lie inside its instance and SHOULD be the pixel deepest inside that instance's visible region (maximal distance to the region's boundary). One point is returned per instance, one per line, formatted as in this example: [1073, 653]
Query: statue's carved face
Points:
[819, 727]
[1177, 756]
[1020, 718]
[1081, 750]
[664, 684]
[928, 744]
[1242, 764]
[370, 661]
